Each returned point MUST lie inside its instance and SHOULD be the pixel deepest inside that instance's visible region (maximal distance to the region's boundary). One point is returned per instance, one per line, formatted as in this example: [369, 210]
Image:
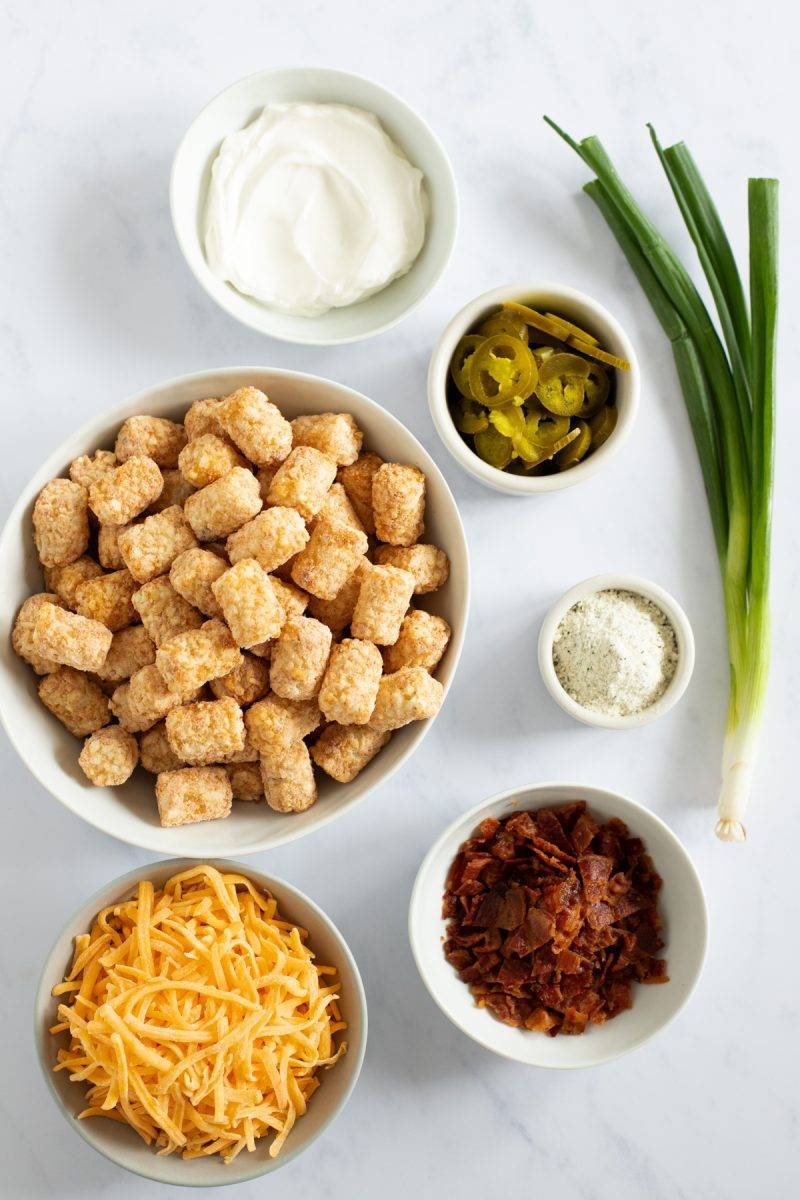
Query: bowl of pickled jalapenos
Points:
[531, 389]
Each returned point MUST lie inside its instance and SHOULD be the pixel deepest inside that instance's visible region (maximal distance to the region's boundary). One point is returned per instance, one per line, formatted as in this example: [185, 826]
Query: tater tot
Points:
[398, 504]
[337, 507]
[109, 756]
[333, 433]
[89, 468]
[207, 458]
[74, 641]
[256, 426]
[224, 505]
[154, 437]
[383, 601]
[109, 598]
[246, 780]
[429, 565]
[330, 558]
[145, 699]
[24, 626]
[191, 658]
[292, 599]
[206, 732]
[265, 476]
[357, 482]
[271, 538]
[249, 604]
[163, 612]
[193, 794]
[108, 550]
[350, 685]
[299, 658]
[155, 753]
[338, 612]
[65, 580]
[342, 751]
[131, 649]
[60, 522]
[120, 495]
[192, 574]
[150, 548]
[422, 642]
[289, 784]
[203, 417]
[176, 490]
[303, 480]
[246, 683]
[274, 724]
[75, 700]
[410, 694]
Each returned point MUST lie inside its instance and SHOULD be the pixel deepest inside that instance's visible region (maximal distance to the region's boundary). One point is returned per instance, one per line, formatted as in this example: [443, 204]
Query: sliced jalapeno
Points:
[549, 325]
[469, 417]
[573, 330]
[545, 428]
[603, 356]
[575, 450]
[459, 363]
[603, 425]
[562, 384]
[504, 321]
[493, 447]
[502, 369]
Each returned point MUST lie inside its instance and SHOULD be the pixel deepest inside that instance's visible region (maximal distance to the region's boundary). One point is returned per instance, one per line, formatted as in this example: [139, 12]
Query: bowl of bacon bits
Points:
[559, 925]
[235, 604]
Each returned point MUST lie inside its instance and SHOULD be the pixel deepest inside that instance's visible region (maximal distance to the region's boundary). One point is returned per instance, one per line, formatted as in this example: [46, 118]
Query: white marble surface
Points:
[97, 303]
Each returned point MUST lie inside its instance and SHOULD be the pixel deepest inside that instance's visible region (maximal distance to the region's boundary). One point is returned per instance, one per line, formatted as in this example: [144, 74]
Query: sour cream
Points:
[311, 207]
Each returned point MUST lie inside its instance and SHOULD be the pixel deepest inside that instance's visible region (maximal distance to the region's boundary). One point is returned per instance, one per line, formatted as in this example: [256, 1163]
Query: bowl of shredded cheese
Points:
[199, 1024]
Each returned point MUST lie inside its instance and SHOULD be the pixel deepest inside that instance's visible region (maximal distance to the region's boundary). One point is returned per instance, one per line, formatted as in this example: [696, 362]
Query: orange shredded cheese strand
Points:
[198, 1016]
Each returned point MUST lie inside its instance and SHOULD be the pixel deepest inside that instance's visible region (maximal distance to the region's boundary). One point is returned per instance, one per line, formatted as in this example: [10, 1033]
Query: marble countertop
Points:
[98, 303]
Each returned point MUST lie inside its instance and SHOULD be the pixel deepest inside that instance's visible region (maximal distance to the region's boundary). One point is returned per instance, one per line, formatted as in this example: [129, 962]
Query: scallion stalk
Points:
[729, 391]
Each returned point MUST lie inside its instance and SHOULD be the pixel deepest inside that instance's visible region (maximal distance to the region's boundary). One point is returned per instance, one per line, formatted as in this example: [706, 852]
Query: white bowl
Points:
[683, 636]
[129, 813]
[121, 1144]
[576, 307]
[236, 107]
[681, 903]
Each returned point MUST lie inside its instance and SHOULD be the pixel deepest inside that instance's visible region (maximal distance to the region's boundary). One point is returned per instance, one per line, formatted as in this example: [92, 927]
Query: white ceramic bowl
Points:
[683, 635]
[129, 813]
[574, 306]
[682, 905]
[118, 1142]
[236, 107]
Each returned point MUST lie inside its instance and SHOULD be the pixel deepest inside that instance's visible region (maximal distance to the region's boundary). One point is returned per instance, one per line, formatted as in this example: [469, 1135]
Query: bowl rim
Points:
[520, 485]
[250, 316]
[54, 465]
[43, 995]
[526, 793]
[618, 581]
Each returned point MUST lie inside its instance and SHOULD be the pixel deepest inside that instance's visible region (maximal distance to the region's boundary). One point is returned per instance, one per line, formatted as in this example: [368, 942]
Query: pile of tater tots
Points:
[230, 602]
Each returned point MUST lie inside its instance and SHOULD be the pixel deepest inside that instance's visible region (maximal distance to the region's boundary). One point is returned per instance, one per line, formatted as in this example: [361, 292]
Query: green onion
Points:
[728, 386]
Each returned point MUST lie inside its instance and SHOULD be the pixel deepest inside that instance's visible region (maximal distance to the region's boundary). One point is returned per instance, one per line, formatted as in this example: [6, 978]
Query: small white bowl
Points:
[681, 903]
[121, 1144]
[236, 107]
[574, 306]
[683, 635]
[129, 812]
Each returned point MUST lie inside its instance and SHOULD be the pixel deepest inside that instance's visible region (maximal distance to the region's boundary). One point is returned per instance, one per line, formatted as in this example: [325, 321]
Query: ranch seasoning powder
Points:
[615, 652]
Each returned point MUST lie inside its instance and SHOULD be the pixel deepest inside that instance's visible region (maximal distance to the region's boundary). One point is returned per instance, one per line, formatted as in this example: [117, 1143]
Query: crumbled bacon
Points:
[552, 917]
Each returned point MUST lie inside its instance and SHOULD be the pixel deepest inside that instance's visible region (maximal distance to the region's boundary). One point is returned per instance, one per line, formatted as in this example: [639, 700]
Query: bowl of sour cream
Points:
[313, 205]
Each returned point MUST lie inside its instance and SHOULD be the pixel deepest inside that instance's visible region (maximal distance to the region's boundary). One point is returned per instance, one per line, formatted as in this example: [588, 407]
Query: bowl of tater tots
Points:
[233, 607]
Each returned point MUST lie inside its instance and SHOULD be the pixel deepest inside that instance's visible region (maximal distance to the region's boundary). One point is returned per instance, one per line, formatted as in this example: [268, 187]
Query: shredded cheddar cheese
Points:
[197, 1016]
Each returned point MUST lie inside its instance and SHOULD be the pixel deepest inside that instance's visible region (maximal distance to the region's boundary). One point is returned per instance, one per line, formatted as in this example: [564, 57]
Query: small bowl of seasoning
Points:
[616, 651]
[313, 205]
[533, 387]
